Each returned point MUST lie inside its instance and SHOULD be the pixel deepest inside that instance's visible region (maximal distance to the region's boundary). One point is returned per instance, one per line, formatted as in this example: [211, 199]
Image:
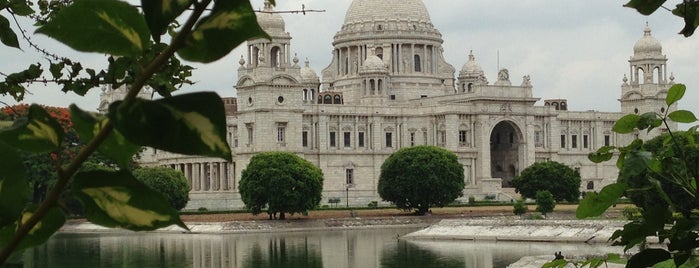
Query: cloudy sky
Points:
[577, 50]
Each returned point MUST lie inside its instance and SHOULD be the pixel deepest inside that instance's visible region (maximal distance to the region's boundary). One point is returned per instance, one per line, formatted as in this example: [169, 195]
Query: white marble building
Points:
[389, 87]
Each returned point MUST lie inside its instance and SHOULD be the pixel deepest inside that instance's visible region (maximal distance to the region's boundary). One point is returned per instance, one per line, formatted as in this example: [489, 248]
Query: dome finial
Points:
[268, 5]
[307, 63]
[646, 31]
[470, 56]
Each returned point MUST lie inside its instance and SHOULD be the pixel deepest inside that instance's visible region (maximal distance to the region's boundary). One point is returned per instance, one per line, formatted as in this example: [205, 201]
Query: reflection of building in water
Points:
[388, 87]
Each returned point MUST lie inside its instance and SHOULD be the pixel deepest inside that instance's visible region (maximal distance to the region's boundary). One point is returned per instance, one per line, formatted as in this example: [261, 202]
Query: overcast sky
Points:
[577, 50]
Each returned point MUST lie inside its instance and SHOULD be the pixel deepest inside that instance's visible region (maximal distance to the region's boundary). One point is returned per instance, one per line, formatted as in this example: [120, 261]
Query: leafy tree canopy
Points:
[282, 182]
[421, 177]
[560, 180]
[169, 182]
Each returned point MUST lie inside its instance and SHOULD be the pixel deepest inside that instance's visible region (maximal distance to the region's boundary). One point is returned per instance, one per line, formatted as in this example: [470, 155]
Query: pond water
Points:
[346, 248]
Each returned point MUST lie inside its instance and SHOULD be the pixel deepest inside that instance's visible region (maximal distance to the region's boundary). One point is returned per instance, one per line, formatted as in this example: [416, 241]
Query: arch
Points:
[379, 52]
[275, 55]
[555, 105]
[328, 99]
[255, 56]
[416, 61]
[657, 74]
[590, 185]
[305, 94]
[311, 94]
[372, 87]
[564, 106]
[470, 87]
[463, 87]
[347, 65]
[337, 99]
[506, 153]
[379, 86]
[640, 75]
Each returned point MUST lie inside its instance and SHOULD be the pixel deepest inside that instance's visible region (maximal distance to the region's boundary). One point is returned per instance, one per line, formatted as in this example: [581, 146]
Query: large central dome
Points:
[372, 10]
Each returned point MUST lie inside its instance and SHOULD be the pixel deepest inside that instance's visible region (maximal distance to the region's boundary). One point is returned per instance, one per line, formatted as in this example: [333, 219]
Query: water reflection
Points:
[353, 248]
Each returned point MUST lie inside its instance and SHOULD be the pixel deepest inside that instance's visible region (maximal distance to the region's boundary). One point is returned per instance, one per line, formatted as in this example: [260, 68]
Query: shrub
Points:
[169, 182]
[520, 208]
[545, 202]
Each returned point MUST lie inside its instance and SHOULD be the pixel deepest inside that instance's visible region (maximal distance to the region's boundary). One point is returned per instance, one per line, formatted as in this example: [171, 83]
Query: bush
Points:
[632, 213]
[373, 204]
[169, 182]
[560, 180]
[202, 209]
[471, 200]
[281, 181]
[421, 177]
[545, 202]
[520, 208]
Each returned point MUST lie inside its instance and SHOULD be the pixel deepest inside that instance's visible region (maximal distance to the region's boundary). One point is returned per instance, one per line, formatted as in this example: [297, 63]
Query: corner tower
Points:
[401, 35]
[647, 87]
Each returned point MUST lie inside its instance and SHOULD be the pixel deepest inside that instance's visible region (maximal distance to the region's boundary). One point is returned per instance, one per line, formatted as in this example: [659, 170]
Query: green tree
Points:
[131, 38]
[169, 182]
[421, 177]
[557, 178]
[659, 176]
[520, 208]
[282, 182]
[545, 202]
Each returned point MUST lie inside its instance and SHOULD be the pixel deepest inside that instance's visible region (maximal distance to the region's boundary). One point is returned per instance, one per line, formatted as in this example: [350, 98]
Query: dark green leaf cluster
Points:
[560, 180]
[520, 208]
[660, 177]
[421, 177]
[281, 182]
[545, 202]
[687, 10]
[169, 182]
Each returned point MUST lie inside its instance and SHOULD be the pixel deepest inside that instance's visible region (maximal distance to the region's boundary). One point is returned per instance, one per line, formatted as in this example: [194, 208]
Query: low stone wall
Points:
[507, 229]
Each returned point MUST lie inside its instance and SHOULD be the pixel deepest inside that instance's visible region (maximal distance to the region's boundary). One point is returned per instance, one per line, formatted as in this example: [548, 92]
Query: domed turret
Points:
[647, 44]
[308, 75]
[471, 67]
[271, 22]
[373, 64]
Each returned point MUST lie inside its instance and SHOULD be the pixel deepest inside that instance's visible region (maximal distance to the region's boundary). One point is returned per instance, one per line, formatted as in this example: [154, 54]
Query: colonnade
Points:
[208, 176]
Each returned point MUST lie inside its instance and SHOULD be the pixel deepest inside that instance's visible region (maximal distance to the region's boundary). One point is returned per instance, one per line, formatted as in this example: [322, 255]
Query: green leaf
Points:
[595, 204]
[645, 7]
[648, 257]
[160, 13]
[20, 7]
[555, 264]
[675, 93]
[14, 186]
[192, 124]
[626, 124]
[682, 116]
[602, 154]
[116, 147]
[112, 27]
[7, 36]
[117, 199]
[230, 24]
[38, 133]
[689, 11]
[42, 231]
[56, 69]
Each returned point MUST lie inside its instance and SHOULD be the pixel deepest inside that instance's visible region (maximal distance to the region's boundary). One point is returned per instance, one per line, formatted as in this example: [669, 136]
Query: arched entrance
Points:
[505, 150]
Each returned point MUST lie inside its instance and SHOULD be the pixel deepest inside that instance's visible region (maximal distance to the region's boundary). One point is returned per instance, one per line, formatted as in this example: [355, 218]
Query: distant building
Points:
[389, 86]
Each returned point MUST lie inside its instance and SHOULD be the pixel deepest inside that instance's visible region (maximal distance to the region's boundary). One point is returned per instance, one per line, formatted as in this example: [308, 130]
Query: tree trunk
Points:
[282, 216]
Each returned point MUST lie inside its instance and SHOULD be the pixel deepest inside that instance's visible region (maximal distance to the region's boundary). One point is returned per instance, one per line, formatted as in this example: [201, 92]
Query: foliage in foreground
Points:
[192, 124]
[659, 176]
[556, 178]
[421, 177]
[172, 184]
[282, 182]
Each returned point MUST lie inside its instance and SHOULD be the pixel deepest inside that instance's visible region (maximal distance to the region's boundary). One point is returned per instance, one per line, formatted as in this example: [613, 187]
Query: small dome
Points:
[308, 74]
[373, 64]
[471, 67]
[647, 44]
[271, 22]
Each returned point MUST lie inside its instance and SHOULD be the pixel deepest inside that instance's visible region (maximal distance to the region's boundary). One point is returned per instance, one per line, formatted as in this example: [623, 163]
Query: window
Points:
[327, 99]
[424, 137]
[591, 185]
[412, 138]
[250, 132]
[574, 141]
[304, 139]
[234, 140]
[337, 99]
[607, 140]
[462, 137]
[332, 139]
[537, 139]
[360, 139]
[418, 67]
[389, 139]
[349, 176]
[586, 144]
[442, 138]
[281, 133]
[347, 138]
[563, 141]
